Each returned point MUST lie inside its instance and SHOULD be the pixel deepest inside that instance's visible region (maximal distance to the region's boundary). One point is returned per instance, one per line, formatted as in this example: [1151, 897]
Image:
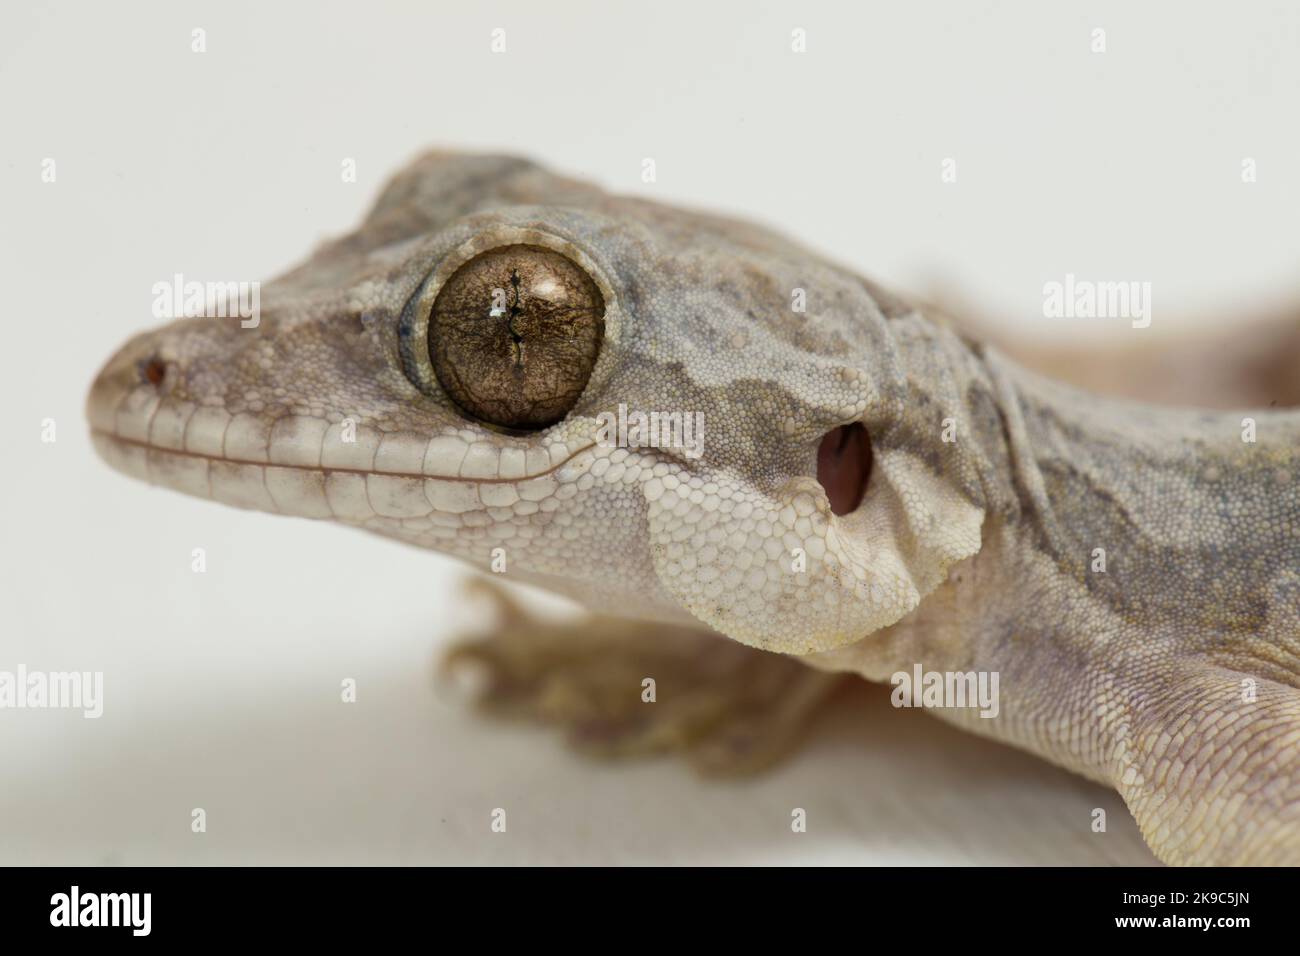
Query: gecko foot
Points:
[621, 688]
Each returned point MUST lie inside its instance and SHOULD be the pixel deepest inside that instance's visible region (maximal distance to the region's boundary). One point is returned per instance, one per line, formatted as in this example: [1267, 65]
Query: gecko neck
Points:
[1183, 520]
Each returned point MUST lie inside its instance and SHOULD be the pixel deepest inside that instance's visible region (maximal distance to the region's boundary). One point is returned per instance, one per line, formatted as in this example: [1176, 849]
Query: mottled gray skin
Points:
[1170, 674]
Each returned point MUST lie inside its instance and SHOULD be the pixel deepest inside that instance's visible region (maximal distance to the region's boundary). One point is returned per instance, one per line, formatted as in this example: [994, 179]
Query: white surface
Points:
[222, 688]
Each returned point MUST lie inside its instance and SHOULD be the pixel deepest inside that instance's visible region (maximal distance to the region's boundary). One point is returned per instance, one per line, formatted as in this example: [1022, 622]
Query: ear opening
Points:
[844, 461]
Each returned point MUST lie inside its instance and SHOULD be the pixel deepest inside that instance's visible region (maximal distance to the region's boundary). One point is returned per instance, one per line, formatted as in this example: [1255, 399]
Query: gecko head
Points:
[656, 412]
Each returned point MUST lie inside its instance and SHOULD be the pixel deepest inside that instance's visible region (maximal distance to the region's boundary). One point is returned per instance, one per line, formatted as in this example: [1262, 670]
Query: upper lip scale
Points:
[326, 469]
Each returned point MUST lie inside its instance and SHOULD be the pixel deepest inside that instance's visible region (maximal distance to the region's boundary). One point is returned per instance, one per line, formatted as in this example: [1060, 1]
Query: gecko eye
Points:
[514, 334]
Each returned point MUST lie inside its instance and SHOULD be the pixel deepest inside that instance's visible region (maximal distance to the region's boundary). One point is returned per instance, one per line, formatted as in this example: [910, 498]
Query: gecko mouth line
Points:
[329, 469]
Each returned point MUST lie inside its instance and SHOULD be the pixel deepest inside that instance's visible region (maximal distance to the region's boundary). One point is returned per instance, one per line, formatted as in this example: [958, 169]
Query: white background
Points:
[222, 689]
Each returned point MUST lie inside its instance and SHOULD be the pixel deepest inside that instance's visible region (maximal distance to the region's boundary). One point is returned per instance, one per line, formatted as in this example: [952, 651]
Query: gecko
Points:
[499, 362]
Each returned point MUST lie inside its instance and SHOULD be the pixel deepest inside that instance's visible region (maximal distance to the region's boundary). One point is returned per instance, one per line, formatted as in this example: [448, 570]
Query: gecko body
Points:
[872, 492]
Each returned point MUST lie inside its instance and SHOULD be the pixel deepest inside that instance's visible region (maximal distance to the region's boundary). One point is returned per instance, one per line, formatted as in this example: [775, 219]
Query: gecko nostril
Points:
[844, 466]
[153, 371]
